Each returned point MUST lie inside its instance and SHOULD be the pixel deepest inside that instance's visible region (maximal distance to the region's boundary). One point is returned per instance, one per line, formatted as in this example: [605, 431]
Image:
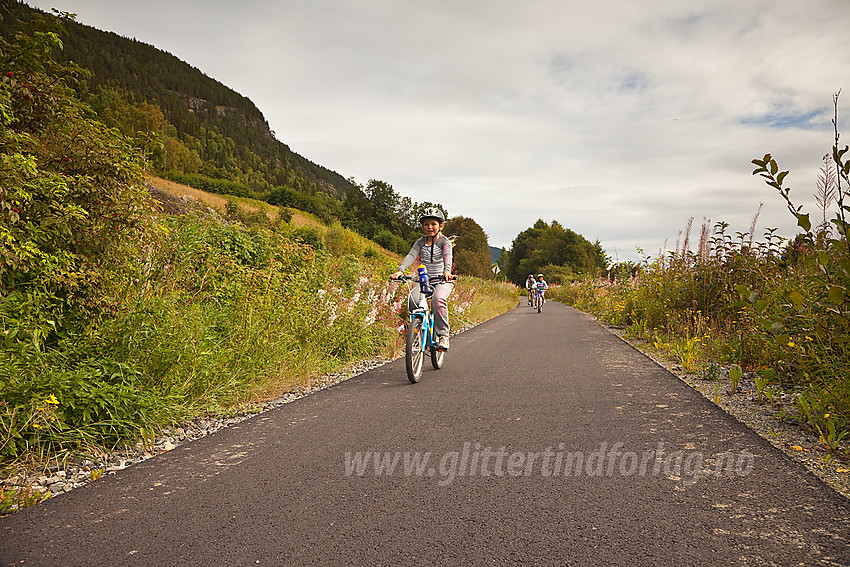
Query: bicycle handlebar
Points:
[438, 279]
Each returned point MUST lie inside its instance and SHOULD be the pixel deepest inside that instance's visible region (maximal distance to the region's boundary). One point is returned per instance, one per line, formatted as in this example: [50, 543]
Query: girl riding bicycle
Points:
[434, 250]
[540, 286]
[529, 287]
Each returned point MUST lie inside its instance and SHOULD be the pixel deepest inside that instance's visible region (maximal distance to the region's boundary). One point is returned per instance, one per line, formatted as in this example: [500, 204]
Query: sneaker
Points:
[443, 343]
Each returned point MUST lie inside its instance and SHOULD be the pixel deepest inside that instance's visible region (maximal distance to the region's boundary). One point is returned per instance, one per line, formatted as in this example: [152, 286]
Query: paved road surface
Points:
[550, 441]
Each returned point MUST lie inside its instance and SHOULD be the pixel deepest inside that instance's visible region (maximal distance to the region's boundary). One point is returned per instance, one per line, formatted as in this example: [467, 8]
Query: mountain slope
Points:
[225, 130]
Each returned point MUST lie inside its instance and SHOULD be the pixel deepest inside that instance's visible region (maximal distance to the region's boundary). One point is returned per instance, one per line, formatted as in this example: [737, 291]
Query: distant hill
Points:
[495, 254]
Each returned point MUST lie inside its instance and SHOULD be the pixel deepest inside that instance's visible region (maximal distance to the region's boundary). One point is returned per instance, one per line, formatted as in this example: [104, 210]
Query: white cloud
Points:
[621, 119]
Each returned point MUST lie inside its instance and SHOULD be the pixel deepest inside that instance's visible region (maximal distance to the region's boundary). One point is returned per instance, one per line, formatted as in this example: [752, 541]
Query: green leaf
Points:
[797, 299]
[781, 177]
[804, 222]
[742, 290]
[836, 294]
[735, 373]
[761, 305]
[823, 258]
[773, 167]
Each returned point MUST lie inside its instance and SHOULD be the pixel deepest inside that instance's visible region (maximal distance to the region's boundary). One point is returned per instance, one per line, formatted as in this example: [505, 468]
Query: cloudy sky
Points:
[621, 119]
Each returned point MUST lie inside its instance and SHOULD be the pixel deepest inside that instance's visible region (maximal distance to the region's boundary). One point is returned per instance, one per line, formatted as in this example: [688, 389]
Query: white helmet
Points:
[432, 213]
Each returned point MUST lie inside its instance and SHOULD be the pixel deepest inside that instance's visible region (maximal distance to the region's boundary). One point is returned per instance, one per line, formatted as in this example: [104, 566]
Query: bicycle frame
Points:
[423, 311]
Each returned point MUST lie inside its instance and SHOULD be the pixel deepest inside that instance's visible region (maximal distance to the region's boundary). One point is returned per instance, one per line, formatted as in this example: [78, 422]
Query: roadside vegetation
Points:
[117, 319]
[776, 308]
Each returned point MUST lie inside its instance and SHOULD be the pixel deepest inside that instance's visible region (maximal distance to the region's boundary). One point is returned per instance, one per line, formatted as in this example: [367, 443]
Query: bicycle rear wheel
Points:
[413, 352]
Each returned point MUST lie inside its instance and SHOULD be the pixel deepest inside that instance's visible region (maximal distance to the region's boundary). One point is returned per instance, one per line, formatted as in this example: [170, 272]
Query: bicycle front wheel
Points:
[437, 357]
[413, 353]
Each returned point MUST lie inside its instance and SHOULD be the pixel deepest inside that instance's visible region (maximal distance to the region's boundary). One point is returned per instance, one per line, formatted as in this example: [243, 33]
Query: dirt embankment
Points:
[176, 198]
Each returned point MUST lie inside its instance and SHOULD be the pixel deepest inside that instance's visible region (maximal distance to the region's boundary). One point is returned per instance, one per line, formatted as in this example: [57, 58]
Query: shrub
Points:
[340, 241]
[70, 192]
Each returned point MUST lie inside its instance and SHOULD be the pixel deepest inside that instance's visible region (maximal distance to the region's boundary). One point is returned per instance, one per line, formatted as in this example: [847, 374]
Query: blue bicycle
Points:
[420, 331]
[537, 300]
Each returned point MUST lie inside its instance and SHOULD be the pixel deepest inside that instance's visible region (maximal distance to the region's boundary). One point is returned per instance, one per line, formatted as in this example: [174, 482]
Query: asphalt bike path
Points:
[544, 440]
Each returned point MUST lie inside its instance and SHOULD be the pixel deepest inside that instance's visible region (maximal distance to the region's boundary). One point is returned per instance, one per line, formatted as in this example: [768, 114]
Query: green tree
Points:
[70, 189]
[143, 122]
[471, 250]
[384, 205]
[554, 250]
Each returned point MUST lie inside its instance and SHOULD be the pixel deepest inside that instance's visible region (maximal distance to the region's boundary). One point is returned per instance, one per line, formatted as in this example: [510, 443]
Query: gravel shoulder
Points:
[787, 435]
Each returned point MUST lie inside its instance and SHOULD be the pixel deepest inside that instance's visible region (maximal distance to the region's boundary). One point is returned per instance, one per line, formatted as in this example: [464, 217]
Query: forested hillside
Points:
[188, 122]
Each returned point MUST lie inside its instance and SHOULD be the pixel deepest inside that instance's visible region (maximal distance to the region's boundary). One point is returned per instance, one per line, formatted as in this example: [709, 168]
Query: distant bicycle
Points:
[420, 331]
[538, 299]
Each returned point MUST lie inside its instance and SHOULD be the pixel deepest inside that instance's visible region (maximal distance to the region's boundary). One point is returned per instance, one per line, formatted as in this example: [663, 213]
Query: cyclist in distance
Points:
[434, 250]
[529, 286]
[541, 286]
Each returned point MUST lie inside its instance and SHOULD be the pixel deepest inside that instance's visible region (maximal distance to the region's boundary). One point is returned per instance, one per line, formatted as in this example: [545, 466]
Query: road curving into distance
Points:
[544, 440]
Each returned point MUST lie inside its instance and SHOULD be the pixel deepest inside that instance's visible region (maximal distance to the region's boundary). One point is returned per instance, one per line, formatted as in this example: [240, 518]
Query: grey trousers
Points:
[439, 306]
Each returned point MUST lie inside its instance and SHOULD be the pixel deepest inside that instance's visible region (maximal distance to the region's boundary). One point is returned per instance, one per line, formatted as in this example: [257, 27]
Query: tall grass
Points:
[476, 300]
[204, 317]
